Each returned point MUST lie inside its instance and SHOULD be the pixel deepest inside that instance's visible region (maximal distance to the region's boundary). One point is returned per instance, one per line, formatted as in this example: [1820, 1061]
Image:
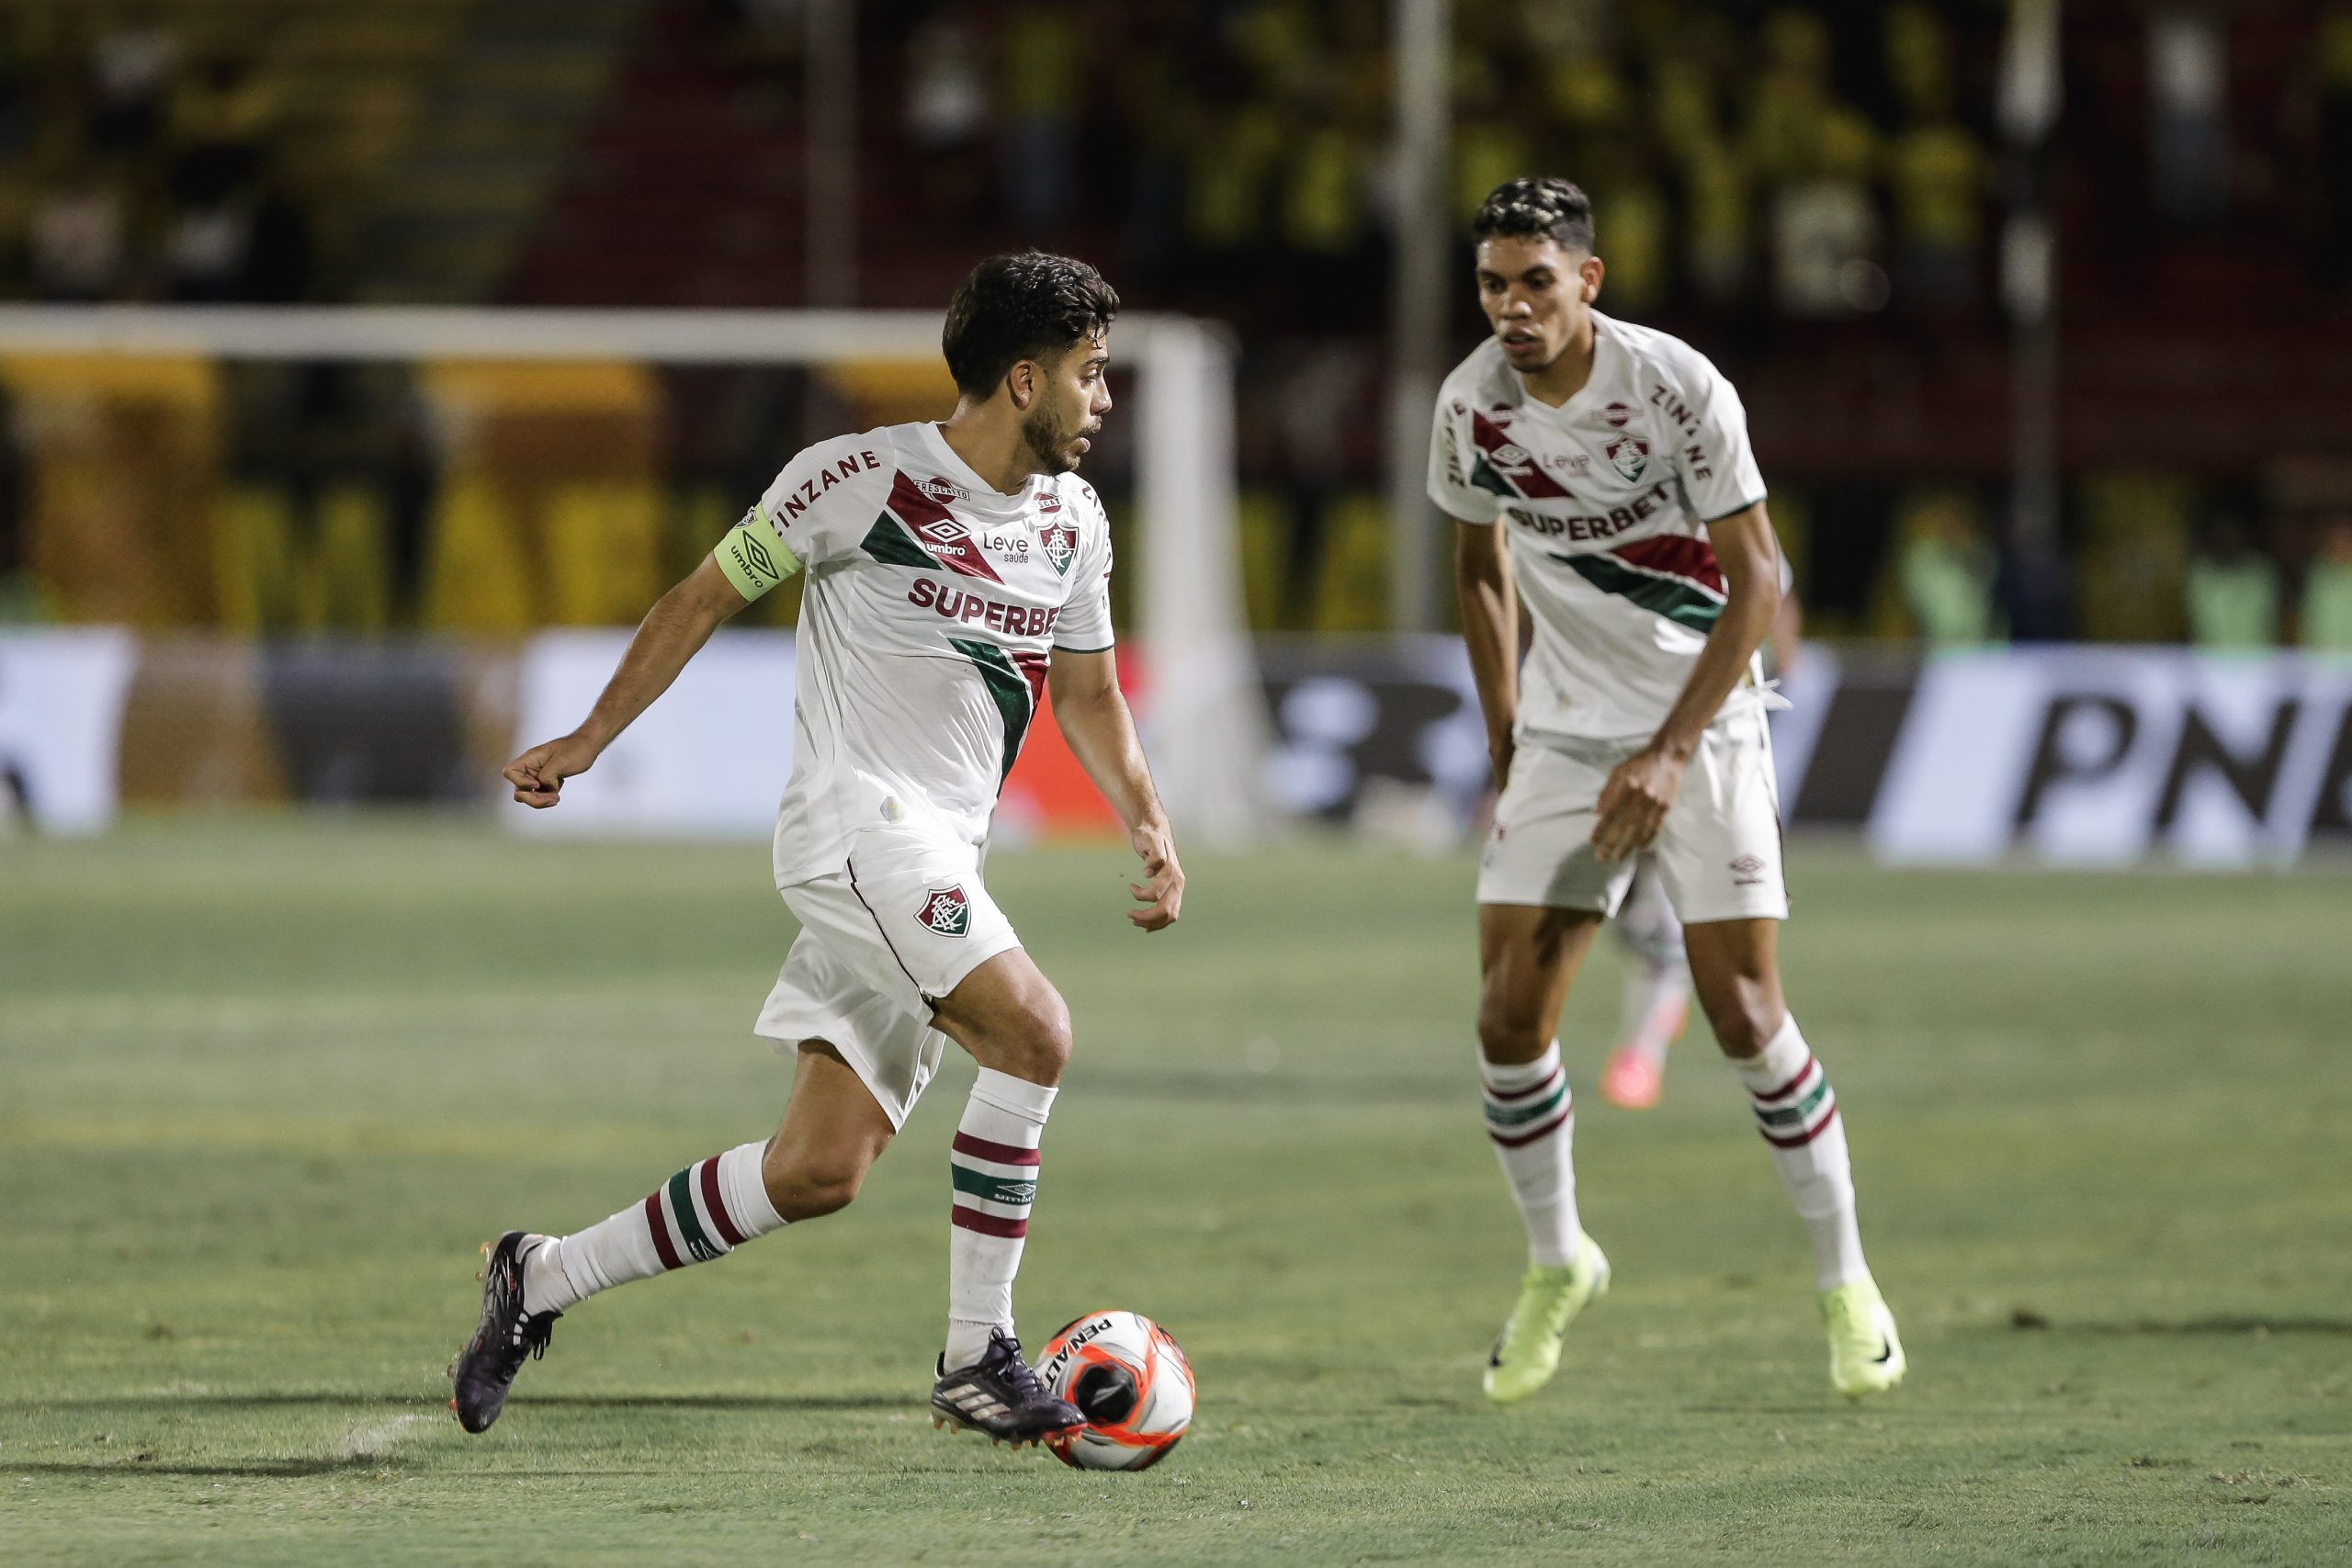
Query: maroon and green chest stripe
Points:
[1015, 678]
[1672, 575]
[917, 530]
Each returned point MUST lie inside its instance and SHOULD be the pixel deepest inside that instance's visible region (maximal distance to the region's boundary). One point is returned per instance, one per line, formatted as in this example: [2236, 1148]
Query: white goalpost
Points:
[1204, 721]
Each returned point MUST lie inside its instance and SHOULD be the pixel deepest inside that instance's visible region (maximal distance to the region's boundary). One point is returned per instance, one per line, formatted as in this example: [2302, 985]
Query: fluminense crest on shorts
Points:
[947, 911]
[1629, 455]
[1061, 546]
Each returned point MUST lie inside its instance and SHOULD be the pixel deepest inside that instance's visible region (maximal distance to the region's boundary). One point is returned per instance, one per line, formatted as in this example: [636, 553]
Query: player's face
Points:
[1073, 395]
[1537, 296]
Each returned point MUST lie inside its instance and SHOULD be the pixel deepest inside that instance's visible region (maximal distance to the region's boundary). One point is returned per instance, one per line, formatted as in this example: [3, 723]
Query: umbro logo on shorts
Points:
[947, 911]
[1747, 871]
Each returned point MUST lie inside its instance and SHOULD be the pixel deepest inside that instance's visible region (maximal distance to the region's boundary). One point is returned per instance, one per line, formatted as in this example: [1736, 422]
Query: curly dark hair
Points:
[1537, 207]
[1030, 305]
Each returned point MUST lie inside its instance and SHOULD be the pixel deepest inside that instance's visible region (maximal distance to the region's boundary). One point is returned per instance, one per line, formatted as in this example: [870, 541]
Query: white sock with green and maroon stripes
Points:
[1797, 1113]
[1531, 1117]
[706, 1210]
[993, 1165]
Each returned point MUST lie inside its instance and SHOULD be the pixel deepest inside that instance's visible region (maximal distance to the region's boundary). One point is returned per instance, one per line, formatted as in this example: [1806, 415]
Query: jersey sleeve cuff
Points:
[1736, 510]
[1062, 647]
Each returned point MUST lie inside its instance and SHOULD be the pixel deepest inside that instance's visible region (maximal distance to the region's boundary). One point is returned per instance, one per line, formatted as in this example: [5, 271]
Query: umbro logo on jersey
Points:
[944, 531]
[1512, 457]
[1629, 455]
[947, 911]
[1747, 871]
[1061, 546]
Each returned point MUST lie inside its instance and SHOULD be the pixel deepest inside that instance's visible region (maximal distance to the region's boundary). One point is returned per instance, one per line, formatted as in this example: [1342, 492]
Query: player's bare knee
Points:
[1746, 1025]
[1508, 1038]
[1037, 1046]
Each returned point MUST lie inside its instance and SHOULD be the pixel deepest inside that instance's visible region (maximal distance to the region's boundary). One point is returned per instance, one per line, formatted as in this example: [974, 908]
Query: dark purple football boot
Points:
[999, 1395]
[485, 1369]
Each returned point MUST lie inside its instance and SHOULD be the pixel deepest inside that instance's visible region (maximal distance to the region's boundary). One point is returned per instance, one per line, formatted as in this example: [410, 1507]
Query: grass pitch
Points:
[265, 1086]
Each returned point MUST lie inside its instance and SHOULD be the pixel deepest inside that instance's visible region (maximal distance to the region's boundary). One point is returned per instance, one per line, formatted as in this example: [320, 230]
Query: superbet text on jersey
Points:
[933, 606]
[1604, 501]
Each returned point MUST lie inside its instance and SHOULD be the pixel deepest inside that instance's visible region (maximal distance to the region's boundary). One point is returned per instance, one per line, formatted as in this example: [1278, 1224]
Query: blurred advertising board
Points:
[710, 757]
[2077, 755]
[2083, 755]
[60, 724]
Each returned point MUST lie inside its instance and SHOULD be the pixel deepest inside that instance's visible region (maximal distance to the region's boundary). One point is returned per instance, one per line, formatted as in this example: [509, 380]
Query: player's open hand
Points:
[538, 773]
[1161, 892]
[1634, 802]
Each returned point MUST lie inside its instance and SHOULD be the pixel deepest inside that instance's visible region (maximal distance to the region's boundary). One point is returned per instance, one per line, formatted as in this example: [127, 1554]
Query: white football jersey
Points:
[933, 606]
[1606, 499]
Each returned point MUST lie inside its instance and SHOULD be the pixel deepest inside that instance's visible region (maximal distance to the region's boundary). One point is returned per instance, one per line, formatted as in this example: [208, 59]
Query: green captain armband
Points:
[752, 557]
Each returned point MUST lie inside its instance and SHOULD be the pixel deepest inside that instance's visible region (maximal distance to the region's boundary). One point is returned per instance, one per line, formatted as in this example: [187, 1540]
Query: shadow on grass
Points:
[304, 1469]
[750, 1401]
[255, 1468]
[2223, 1324]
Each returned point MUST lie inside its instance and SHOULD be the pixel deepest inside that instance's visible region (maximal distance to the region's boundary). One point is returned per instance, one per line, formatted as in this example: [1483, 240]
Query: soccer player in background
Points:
[1601, 472]
[1656, 1000]
[957, 571]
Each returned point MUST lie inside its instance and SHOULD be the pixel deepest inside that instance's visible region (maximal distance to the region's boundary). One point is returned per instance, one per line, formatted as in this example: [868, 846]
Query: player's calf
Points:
[1014, 1021]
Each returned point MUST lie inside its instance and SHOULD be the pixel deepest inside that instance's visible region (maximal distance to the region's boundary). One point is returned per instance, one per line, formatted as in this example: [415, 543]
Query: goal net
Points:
[491, 473]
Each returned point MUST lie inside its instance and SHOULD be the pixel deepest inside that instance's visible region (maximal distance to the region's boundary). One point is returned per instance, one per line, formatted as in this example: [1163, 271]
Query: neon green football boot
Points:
[1865, 1356]
[1528, 1353]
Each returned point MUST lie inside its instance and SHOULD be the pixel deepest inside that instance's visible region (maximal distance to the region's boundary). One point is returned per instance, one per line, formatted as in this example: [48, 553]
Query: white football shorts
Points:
[881, 941]
[1718, 853]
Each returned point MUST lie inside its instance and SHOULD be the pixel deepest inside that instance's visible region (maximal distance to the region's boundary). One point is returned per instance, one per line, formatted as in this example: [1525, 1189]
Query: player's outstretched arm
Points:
[1095, 719]
[1490, 628]
[1641, 789]
[672, 631]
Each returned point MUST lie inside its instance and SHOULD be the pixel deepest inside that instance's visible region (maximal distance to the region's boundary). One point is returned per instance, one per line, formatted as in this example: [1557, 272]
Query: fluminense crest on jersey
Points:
[1061, 546]
[1629, 455]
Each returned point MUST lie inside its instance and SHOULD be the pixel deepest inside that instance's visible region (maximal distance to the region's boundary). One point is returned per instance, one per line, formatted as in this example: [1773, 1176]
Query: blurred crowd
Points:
[133, 167]
[1240, 151]
[1788, 183]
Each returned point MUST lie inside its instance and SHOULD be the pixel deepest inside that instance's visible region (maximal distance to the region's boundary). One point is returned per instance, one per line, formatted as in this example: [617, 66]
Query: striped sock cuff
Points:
[1517, 1116]
[1793, 1113]
[690, 1220]
[994, 1185]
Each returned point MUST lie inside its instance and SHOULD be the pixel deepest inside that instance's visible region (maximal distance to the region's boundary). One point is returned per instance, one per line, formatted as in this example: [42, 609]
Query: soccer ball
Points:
[1126, 1374]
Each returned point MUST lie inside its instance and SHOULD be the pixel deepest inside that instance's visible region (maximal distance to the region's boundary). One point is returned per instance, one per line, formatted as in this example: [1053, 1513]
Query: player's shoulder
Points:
[1075, 500]
[1660, 356]
[876, 450]
[1483, 379]
[839, 470]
